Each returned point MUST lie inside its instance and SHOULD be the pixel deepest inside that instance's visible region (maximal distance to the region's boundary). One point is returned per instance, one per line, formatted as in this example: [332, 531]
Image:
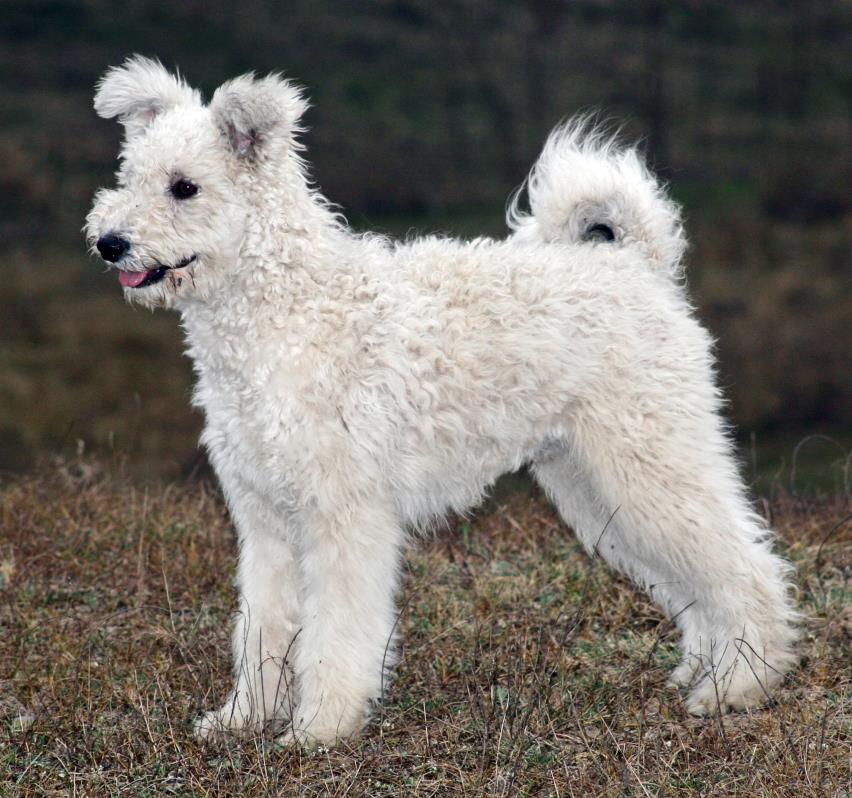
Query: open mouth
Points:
[151, 276]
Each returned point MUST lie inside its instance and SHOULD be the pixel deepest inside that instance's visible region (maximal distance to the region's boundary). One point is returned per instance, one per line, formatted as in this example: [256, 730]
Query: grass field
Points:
[526, 669]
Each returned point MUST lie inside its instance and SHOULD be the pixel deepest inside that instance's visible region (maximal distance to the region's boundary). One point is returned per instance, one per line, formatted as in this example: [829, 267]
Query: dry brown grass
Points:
[526, 669]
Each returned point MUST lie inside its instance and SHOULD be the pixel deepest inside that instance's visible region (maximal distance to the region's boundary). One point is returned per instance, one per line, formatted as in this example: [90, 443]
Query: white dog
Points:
[355, 389]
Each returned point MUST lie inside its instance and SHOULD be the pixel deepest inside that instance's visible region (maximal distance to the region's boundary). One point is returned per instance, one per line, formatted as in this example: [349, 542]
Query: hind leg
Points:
[682, 530]
[597, 525]
[599, 528]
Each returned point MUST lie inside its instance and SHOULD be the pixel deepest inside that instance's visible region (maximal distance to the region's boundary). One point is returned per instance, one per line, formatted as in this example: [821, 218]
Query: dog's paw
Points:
[684, 674]
[293, 738]
[309, 740]
[209, 726]
[316, 735]
[705, 701]
[218, 723]
[713, 697]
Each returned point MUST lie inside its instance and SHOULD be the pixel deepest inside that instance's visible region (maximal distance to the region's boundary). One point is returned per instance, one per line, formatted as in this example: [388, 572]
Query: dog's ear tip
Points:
[133, 67]
[251, 110]
[141, 61]
[139, 89]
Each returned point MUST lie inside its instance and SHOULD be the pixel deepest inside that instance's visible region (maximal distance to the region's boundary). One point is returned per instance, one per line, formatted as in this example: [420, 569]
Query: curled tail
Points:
[585, 186]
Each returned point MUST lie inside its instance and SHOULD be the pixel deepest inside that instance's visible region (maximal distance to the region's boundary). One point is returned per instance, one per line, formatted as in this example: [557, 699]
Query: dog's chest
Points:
[254, 425]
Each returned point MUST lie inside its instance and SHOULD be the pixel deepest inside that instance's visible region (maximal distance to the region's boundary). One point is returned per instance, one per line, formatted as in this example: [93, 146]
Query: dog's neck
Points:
[287, 254]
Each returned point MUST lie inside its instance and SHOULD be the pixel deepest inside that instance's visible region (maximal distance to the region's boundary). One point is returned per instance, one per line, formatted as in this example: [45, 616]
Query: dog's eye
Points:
[183, 189]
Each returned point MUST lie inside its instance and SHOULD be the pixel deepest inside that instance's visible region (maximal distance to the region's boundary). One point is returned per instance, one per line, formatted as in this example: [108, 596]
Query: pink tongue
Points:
[131, 279]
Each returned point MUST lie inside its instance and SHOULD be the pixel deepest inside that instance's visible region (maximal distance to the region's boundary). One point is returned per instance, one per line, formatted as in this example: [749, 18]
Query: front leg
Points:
[266, 624]
[349, 570]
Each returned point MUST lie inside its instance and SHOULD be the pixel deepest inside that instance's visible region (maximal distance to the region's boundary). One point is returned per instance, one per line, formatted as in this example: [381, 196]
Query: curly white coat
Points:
[355, 388]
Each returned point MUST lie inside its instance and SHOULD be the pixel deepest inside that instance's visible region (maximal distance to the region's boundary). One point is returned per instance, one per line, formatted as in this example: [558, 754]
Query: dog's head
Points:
[174, 226]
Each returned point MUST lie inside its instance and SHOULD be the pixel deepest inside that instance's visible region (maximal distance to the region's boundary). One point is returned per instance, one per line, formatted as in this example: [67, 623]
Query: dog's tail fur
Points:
[585, 186]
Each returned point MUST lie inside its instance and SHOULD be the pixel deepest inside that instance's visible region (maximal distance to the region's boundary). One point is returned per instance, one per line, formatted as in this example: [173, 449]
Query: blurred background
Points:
[426, 115]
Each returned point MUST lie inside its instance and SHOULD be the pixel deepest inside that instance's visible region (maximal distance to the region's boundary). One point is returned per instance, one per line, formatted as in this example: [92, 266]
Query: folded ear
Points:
[258, 113]
[138, 90]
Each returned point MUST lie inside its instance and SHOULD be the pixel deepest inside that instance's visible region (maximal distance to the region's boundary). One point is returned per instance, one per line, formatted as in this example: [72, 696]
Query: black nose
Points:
[112, 247]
